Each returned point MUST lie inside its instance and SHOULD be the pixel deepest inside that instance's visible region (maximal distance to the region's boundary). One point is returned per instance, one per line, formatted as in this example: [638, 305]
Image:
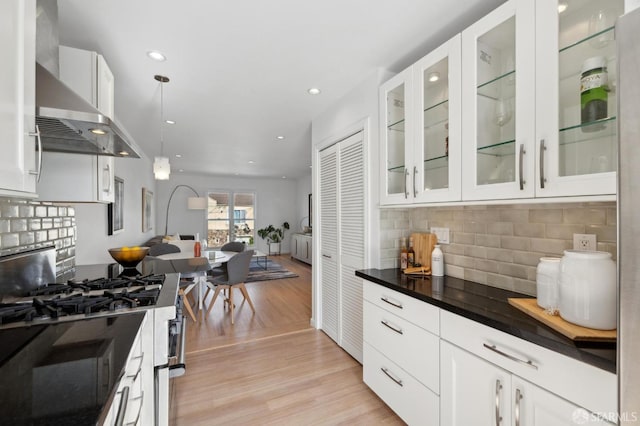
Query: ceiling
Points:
[240, 70]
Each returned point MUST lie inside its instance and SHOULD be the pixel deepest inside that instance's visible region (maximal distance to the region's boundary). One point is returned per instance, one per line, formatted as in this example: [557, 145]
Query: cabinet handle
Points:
[327, 256]
[415, 172]
[528, 363]
[38, 170]
[518, 398]
[543, 148]
[386, 324]
[106, 175]
[397, 305]
[122, 407]
[397, 381]
[521, 161]
[498, 389]
[406, 173]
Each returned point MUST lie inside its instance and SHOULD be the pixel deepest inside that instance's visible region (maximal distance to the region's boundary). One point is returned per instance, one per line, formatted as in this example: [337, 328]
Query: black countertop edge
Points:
[489, 306]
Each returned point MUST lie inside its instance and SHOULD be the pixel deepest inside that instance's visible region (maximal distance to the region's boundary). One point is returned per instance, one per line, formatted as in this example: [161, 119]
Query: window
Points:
[230, 218]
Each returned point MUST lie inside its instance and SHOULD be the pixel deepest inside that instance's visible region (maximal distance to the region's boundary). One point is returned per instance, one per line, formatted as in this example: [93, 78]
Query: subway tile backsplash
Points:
[500, 245]
[29, 224]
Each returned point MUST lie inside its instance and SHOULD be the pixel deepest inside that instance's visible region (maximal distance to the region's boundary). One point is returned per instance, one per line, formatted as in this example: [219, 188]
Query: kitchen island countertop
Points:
[489, 306]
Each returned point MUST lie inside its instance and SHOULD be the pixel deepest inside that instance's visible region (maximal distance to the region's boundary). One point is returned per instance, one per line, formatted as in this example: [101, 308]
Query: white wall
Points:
[303, 191]
[92, 240]
[276, 202]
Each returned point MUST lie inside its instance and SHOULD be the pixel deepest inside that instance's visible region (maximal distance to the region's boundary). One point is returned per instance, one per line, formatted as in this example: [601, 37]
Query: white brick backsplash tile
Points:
[4, 226]
[462, 261]
[452, 248]
[515, 243]
[463, 238]
[35, 224]
[476, 251]
[512, 270]
[18, 225]
[503, 255]
[604, 233]
[53, 234]
[9, 240]
[585, 216]
[476, 276]
[454, 271]
[552, 247]
[500, 281]
[527, 258]
[486, 265]
[25, 210]
[475, 227]
[8, 210]
[52, 211]
[41, 211]
[47, 223]
[528, 230]
[563, 231]
[40, 236]
[549, 215]
[514, 215]
[27, 238]
[488, 240]
[500, 228]
[525, 286]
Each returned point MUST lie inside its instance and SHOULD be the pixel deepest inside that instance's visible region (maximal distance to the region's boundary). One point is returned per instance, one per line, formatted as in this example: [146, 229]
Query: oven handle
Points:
[178, 369]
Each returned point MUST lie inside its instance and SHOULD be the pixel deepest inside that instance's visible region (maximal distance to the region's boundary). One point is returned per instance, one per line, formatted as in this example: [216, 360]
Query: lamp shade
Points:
[197, 203]
[161, 168]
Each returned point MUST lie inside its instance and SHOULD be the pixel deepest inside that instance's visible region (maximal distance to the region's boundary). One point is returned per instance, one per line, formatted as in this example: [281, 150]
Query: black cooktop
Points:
[63, 373]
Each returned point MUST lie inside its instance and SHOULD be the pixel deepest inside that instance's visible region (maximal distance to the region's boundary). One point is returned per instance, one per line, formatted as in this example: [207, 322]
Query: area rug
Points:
[274, 271]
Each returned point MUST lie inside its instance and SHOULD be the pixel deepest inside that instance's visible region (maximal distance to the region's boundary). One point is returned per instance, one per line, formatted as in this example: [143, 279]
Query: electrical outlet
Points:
[442, 234]
[584, 242]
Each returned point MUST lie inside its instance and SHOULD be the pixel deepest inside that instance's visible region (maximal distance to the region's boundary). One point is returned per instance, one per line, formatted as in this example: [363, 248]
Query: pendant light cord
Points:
[161, 119]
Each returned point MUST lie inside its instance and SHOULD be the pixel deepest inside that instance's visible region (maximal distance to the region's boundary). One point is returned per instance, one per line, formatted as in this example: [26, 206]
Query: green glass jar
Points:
[593, 90]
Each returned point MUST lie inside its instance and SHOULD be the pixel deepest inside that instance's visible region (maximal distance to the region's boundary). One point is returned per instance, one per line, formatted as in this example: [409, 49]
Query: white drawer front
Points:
[413, 402]
[415, 350]
[583, 384]
[413, 310]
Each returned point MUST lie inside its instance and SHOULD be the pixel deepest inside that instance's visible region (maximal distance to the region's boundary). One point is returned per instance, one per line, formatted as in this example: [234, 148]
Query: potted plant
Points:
[273, 236]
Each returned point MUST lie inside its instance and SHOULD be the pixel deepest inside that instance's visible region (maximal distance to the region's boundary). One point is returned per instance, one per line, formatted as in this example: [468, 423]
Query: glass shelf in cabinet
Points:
[573, 56]
[436, 114]
[398, 126]
[396, 169]
[486, 89]
[600, 129]
[500, 149]
[586, 39]
[435, 163]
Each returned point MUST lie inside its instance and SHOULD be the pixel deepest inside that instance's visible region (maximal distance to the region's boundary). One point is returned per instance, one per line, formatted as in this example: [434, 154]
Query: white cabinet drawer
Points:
[415, 350]
[587, 386]
[413, 402]
[413, 310]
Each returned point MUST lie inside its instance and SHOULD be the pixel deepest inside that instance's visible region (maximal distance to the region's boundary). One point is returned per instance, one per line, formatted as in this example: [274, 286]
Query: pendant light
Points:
[161, 166]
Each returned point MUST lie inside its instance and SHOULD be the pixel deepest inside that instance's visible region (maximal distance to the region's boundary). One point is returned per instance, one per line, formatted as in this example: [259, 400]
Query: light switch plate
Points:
[442, 234]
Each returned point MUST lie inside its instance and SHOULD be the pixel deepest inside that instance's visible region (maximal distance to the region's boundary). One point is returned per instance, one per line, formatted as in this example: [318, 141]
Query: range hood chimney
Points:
[66, 121]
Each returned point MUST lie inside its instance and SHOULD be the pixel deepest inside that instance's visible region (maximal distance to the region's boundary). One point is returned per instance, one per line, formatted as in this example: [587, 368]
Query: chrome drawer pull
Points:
[543, 148]
[528, 363]
[386, 324]
[397, 305]
[521, 162]
[406, 193]
[498, 416]
[397, 381]
[518, 398]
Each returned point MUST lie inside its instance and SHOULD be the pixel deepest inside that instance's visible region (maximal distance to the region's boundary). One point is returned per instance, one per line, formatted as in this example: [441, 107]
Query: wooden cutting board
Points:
[572, 331]
[423, 246]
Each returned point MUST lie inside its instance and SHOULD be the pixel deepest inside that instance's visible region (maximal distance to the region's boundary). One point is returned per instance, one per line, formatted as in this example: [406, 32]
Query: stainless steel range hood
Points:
[68, 123]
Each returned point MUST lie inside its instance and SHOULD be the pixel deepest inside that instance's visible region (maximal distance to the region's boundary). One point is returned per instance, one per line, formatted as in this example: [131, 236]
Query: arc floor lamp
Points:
[193, 203]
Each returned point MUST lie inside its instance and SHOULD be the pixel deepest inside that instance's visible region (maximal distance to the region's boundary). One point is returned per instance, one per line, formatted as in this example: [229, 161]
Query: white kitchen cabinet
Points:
[88, 74]
[420, 118]
[342, 241]
[301, 247]
[76, 178]
[552, 385]
[524, 136]
[477, 392]
[18, 142]
[402, 353]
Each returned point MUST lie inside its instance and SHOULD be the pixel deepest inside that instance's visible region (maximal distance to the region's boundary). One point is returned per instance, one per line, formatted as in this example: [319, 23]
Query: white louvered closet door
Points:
[351, 241]
[328, 204]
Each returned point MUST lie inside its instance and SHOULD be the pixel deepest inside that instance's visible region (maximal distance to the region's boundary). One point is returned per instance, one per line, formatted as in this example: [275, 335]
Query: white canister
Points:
[547, 285]
[588, 289]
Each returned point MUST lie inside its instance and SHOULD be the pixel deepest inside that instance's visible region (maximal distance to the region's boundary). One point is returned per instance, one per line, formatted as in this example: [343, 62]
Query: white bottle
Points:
[437, 262]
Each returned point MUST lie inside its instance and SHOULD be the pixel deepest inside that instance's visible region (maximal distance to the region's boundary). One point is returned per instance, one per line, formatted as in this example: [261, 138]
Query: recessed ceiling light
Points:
[156, 56]
[434, 76]
[178, 155]
[181, 170]
[123, 153]
[279, 137]
[562, 6]
[169, 121]
[314, 91]
[98, 131]
[251, 162]
[310, 166]
[284, 177]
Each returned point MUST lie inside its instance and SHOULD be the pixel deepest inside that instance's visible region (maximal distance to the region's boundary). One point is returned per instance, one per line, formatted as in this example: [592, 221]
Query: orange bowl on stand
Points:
[129, 257]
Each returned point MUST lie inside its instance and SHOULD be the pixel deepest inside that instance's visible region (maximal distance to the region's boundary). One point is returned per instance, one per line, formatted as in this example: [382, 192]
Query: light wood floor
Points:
[271, 367]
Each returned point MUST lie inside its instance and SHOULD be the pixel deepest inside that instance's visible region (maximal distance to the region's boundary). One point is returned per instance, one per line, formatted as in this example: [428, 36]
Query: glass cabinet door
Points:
[576, 86]
[395, 98]
[436, 174]
[498, 92]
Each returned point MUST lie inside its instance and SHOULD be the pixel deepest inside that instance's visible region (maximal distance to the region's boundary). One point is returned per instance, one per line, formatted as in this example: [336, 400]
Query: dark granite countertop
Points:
[489, 306]
[64, 373]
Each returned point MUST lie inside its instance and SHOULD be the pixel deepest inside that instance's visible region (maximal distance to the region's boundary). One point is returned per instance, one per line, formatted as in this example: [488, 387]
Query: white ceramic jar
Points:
[547, 285]
[588, 289]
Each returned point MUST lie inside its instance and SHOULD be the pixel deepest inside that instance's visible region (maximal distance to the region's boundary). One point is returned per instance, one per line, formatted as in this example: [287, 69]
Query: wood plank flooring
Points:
[271, 367]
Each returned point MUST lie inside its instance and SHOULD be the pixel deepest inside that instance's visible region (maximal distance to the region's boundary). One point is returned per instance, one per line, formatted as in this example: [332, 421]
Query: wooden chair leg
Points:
[231, 305]
[245, 293]
[187, 305]
[215, 296]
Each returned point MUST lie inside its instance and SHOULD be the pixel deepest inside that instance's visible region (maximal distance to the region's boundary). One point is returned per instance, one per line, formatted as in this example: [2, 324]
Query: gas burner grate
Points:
[50, 289]
[12, 312]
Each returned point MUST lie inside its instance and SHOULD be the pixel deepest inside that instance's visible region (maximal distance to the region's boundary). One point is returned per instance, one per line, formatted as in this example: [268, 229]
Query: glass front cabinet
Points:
[421, 129]
[539, 104]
